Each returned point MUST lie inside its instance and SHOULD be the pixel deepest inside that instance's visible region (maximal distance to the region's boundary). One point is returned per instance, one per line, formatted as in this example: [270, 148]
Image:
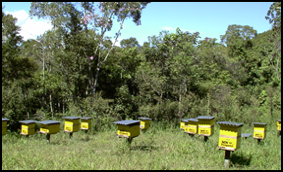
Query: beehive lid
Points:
[48, 122]
[28, 121]
[86, 118]
[193, 119]
[258, 123]
[71, 117]
[205, 117]
[144, 118]
[230, 123]
[184, 120]
[279, 120]
[246, 134]
[5, 119]
[127, 122]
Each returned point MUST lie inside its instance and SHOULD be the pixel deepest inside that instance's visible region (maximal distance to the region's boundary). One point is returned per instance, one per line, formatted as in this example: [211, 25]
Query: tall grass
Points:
[161, 147]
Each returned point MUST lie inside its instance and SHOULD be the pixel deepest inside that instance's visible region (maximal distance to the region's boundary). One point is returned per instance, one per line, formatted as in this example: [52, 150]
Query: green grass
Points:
[155, 149]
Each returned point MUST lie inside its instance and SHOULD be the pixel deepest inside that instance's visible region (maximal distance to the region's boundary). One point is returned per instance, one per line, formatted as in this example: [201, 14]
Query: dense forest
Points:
[71, 70]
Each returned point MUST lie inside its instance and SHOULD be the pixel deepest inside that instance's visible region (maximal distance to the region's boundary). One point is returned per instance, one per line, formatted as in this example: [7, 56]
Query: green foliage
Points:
[72, 70]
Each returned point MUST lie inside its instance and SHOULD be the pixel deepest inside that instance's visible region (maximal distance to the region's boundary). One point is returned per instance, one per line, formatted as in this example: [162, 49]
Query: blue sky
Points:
[211, 19]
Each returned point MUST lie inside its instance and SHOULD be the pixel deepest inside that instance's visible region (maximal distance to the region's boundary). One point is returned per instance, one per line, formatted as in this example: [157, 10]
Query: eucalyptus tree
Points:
[60, 13]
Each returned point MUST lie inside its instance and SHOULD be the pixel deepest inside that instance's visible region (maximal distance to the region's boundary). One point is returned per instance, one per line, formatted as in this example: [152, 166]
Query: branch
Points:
[113, 42]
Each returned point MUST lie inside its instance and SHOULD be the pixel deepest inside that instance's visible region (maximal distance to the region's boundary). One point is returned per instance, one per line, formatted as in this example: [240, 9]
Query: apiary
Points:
[205, 126]
[49, 127]
[278, 126]
[192, 127]
[128, 128]
[183, 123]
[27, 127]
[72, 124]
[259, 130]
[4, 125]
[230, 135]
[86, 123]
[144, 122]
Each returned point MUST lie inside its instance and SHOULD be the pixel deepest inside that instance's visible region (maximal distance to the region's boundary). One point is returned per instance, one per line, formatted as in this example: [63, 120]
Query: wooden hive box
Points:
[192, 127]
[27, 127]
[4, 125]
[278, 124]
[259, 130]
[72, 124]
[86, 123]
[144, 122]
[230, 135]
[183, 123]
[49, 127]
[205, 125]
[128, 128]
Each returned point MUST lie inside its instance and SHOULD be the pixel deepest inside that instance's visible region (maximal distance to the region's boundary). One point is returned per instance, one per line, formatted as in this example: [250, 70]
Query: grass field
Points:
[155, 149]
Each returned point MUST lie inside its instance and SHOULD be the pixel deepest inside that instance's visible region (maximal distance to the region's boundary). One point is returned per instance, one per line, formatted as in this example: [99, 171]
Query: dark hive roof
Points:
[193, 119]
[246, 134]
[5, 119]
[86, 118]
[184, 120]
[205, 117]
[258, 123]
[144, 118]
[230, 123]
[71, 117]
[127, 122]
[28, 121]
[48, 122]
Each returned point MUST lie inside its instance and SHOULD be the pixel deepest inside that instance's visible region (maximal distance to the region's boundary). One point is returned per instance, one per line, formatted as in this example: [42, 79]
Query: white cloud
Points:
[173, 29]
[30, 28]
[117, 42]
[191, 31]
[167, 28]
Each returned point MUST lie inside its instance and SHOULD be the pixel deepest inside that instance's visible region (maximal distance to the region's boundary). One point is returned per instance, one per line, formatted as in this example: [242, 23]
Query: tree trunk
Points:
[95, 81]
[51, 106]
[43, 101]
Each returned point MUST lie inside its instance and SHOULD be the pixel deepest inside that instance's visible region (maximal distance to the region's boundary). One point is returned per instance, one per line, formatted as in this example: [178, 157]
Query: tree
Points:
[237, 38]
[61, 13]
[16, 72]
[129, 43]
[274, 17]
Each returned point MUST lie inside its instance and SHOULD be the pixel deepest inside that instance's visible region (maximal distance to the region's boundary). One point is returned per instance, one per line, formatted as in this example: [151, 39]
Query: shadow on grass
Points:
[144, 148]
[241, 160]
[54, 143]
[86, 138]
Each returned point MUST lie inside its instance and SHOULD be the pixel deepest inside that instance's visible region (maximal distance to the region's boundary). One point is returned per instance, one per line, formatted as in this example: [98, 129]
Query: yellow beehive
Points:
[72, 124]
[4, 125]
[184, 122]
[192, 127]
[27, 127]
[86, 123]
[278, 124]
[230, 135]
[49, 127]
[128, 128]
[259, 130]
[205, 125]
[144, 122]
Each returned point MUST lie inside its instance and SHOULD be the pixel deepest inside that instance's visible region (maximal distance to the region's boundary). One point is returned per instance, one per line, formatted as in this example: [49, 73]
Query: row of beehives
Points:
[72, 124]
[230, 132]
